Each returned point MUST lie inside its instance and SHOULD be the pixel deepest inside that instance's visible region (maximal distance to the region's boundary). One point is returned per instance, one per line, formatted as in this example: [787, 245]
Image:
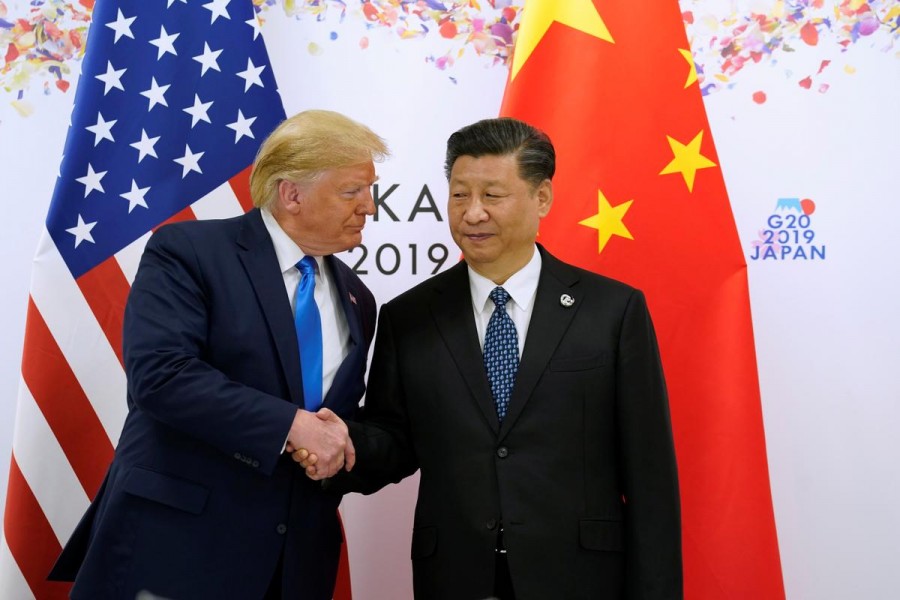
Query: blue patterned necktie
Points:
[309, 333]
[501, 352]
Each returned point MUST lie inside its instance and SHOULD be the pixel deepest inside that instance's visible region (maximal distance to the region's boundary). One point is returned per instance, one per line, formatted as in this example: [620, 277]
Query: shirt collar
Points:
[521, 286]
[286, 250]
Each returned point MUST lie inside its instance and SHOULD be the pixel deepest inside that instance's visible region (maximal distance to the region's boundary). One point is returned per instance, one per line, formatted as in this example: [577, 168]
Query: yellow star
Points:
[540, 14]
[688, 160]
[692, 75]
[608, 221]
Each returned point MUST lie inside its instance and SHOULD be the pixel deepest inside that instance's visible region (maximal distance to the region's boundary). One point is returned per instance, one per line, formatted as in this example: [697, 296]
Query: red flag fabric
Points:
[640, 197]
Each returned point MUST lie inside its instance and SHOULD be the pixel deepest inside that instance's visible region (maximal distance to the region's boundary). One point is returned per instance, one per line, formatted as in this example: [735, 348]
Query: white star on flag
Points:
[208, 59]
[217, 9]
[82, 231]
[111, 78]
[165, 42]
[102, 130]
[255, 24]
[251, 75]
[121, 26]
[241, 127]
[91, 181]
[145, 146]
[135, 197]
[156, 94]
[189, 162]
[198, 111]
[169, 5]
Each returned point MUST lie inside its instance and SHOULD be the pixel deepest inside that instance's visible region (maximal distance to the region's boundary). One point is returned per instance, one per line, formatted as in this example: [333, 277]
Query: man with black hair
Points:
[530, 395]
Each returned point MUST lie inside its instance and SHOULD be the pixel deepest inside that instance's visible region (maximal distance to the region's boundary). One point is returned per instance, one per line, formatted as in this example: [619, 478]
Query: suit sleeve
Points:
[647, 461]
[382, 436]
[165, 339]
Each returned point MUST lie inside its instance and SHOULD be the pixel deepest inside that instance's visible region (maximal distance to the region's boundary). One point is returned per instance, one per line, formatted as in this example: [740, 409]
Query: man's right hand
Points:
[325, 436]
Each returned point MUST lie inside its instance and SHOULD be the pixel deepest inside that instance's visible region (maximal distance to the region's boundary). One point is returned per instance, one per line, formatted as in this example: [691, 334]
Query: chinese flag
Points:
[640, 197]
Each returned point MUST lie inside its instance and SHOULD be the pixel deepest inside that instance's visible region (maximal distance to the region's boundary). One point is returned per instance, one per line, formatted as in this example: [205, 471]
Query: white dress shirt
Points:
[522, 288]
[335, 330]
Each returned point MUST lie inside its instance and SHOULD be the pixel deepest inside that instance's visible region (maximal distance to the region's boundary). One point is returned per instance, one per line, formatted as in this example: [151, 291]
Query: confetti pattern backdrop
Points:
[800, 96]
[43, 43]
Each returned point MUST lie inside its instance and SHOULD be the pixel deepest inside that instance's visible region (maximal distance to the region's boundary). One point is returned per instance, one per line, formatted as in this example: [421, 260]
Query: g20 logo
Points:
[789, 233]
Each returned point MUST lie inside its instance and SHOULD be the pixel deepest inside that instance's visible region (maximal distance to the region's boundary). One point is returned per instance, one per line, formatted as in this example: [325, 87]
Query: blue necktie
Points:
[309, 334]
[501, 352]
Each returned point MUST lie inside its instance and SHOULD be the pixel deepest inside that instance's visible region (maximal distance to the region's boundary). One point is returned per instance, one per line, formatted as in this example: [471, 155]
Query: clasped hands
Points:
[320, 443]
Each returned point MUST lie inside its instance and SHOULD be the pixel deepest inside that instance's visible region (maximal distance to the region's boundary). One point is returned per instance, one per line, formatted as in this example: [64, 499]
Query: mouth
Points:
[478, 237]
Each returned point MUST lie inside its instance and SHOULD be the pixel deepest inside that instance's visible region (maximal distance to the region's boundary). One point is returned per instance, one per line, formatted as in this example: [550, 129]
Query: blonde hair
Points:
[307, 144]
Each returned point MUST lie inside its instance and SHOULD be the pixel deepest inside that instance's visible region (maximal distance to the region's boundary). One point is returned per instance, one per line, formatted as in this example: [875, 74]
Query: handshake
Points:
[320, 443]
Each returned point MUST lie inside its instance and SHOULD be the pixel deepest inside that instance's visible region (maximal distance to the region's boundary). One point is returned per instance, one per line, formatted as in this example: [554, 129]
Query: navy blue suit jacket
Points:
[199, 501]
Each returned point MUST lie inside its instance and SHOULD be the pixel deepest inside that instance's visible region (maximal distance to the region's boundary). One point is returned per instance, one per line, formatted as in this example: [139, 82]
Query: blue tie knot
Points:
[307, 265]
[500, 297]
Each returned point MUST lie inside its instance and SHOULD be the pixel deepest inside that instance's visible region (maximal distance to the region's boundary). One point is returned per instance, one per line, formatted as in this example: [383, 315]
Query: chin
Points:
[477, 257]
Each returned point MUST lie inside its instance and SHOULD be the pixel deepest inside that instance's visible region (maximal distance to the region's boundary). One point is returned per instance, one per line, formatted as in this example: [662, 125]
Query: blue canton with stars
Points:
[501, 351]
[173, 100]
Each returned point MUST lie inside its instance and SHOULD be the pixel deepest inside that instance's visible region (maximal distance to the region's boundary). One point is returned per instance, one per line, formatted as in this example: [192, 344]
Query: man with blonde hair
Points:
[237, 333]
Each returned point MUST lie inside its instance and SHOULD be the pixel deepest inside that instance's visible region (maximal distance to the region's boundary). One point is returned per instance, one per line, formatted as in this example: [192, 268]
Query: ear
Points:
[544, 194]
[289, 196]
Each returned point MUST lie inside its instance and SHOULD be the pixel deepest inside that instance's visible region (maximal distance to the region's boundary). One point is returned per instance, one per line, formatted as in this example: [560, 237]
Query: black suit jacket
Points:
[581, 473]
[199, 501]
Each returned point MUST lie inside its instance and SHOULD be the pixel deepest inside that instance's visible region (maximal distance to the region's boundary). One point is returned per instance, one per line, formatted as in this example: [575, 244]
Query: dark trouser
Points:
[274, 591]
[503, 588]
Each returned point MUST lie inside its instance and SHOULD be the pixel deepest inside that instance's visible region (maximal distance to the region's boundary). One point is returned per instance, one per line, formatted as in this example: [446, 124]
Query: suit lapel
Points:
[454, 316]
[549, 322]
[348, 300]
[257, 254]
[353, 314]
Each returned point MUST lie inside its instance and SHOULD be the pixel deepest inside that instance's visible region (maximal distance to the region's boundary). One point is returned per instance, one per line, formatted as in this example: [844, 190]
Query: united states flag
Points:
[173, 101]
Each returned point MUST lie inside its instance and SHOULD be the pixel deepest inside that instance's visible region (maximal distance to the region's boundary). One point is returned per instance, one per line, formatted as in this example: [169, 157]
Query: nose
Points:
[367, 205]
[474, 212]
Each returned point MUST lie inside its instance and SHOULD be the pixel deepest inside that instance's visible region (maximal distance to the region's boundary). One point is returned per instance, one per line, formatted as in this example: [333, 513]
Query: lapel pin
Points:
[352, 297]
[566, 300]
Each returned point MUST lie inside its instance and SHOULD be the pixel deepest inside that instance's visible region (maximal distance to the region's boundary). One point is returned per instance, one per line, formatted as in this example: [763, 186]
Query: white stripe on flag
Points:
[46, 469]
[12, 582]
[80, 338]
[221, 203]
[129, 257]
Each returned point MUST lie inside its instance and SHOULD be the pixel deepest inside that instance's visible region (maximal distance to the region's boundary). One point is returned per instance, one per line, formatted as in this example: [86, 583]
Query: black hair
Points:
[502, 136]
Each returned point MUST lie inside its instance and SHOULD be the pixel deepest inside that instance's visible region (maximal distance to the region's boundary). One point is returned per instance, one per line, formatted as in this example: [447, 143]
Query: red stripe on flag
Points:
[342, 589]
[240, 184]
[106, 290]
[30, 538]
[184, 215]
[63, 403]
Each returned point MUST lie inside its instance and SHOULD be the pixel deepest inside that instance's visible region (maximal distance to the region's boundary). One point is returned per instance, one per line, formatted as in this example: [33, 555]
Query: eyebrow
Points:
[491, 182]
[361, 181]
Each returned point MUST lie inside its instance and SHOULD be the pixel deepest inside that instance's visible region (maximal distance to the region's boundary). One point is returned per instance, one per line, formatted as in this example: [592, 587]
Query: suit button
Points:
[491, 524]
[502, 451]
[282, 528]
[237, 455]
[255, 464]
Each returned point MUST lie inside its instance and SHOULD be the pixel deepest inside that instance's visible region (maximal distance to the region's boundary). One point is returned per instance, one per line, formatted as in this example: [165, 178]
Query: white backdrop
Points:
[827, 329]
